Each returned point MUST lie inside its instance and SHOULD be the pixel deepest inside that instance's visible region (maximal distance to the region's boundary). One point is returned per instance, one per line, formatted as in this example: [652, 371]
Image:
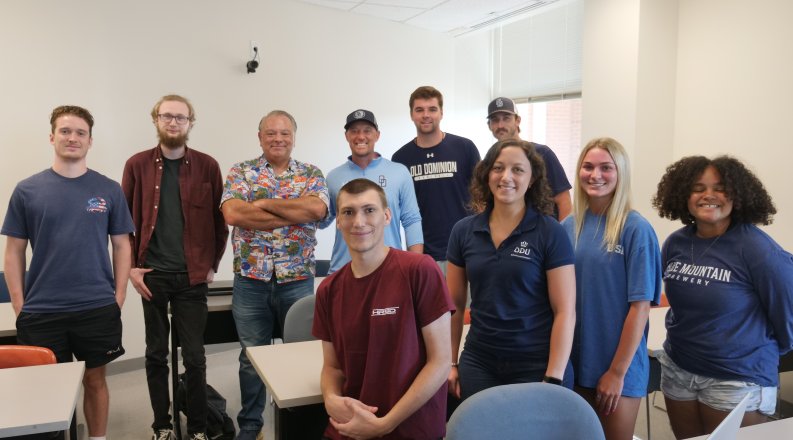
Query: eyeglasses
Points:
[167, 118]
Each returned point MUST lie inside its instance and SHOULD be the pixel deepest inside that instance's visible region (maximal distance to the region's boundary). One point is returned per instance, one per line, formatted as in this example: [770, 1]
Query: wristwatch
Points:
[552, 380]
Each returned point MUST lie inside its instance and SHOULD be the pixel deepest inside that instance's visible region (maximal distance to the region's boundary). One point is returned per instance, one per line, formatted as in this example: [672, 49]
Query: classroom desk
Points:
[8, 324]
[778, 429]
[39, 399]
[657, 333]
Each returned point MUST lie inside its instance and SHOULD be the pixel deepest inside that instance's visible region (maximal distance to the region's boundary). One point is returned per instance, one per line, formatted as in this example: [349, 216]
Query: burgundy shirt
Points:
[375, 323]
[200, 188]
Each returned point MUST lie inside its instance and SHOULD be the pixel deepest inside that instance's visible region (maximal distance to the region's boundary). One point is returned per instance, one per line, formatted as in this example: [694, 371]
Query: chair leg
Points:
[647, 407]
[73, 427]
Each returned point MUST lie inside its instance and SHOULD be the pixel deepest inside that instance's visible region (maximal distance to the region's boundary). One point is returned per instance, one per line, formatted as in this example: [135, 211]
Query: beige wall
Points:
[671, 79]
[734, 91]
[118, 58]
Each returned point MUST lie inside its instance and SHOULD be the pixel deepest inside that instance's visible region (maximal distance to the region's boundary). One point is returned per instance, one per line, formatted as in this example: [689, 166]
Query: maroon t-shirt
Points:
[375, 326]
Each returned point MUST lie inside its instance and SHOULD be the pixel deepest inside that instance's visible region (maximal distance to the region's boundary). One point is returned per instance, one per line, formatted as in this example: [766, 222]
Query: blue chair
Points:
[299, 319]
[538, 411]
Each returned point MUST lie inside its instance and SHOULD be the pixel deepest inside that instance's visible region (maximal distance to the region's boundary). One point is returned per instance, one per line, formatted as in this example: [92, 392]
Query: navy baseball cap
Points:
[361, 115]
[502, 104]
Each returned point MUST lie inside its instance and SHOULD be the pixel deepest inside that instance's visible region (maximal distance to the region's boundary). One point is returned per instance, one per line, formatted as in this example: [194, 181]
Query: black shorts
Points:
[93, 336]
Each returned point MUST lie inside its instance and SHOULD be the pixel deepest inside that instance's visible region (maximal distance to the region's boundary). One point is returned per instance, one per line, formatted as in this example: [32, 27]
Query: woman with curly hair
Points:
[519, 263]
[618, 275]
[730, 288]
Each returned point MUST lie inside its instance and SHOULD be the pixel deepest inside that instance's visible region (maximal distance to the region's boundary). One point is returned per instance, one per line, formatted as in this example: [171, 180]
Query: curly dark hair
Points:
[750, 201]
[538, 194]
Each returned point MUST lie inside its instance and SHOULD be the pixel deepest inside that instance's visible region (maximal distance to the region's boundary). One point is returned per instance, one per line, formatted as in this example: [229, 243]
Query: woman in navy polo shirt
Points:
[730, 288]
[618, 275]
[519, 263]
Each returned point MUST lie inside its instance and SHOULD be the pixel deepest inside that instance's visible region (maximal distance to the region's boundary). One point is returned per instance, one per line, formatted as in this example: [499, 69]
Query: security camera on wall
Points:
[253, 64]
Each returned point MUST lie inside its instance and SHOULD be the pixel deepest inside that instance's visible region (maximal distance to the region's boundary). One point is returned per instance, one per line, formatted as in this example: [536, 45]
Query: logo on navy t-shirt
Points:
[97, 204]
[522, 251]
[694, 274]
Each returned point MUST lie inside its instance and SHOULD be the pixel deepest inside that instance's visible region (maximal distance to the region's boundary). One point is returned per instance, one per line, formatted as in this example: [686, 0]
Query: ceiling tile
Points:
[393, 13]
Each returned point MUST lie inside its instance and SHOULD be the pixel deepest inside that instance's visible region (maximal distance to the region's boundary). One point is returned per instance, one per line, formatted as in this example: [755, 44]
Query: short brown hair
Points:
[74, 111]
[358, 186]
[426, 92]
[156, 109]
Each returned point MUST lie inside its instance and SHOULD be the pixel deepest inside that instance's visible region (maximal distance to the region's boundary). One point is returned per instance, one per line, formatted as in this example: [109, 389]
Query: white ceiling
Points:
[453, 17]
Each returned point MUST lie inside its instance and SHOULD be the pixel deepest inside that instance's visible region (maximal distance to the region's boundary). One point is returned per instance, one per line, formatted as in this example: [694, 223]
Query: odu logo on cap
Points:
[499, 102]
[359, 114]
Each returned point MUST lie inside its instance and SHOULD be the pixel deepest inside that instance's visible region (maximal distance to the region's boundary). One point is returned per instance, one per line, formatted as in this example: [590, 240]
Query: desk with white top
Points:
[39, 399]
[8, 324]
[657, 333]
[776, 430]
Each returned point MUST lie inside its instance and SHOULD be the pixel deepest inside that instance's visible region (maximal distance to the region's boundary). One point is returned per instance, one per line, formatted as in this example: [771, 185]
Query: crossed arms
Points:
[268, 214]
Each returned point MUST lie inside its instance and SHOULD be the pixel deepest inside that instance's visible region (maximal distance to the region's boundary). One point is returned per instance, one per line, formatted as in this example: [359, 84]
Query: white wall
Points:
[628, 87]
[118, 58]
[735, 91]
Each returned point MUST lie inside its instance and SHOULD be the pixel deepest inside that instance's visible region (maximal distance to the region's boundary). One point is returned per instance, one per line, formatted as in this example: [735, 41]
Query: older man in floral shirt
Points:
[274, 203]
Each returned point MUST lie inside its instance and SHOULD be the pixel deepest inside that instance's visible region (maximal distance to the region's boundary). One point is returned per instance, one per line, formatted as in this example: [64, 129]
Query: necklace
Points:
[706, 249]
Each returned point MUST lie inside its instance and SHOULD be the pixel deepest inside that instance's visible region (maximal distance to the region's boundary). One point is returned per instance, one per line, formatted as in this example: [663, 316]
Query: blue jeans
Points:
[480, 371]
[258, 306]
[189, 309]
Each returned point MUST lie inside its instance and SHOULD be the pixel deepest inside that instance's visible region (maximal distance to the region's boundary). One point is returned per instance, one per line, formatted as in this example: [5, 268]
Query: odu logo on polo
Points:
[522, 251]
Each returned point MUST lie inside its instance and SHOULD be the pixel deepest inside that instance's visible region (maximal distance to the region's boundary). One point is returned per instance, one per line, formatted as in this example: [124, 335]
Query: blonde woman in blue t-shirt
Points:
[618, 275]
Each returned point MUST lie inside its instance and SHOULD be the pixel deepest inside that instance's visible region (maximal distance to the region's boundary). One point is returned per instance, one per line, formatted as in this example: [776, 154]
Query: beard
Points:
[169, 141]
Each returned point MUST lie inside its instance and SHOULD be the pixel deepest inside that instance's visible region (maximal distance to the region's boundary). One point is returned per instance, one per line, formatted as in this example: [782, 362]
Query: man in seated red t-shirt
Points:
[384, 321]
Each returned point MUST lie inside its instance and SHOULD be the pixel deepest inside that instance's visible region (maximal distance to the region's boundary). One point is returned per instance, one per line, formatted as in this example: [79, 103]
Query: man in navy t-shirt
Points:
[71, 300]
[504, 123]
[441, 165]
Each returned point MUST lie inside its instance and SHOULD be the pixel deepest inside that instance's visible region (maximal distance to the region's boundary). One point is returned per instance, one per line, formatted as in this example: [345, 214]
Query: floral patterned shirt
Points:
[287, 251]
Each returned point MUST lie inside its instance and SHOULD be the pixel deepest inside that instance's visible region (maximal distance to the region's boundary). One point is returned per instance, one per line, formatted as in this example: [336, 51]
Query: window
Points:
[556, 124]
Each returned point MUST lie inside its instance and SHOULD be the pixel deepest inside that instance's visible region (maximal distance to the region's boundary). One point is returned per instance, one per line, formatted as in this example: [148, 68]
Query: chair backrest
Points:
[529, 410]
[299, 319]
[12, 356]
[323, 266]
[4, 296]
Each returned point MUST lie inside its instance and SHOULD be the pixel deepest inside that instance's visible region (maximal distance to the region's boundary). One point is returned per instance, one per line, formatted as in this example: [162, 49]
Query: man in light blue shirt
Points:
[362, 133]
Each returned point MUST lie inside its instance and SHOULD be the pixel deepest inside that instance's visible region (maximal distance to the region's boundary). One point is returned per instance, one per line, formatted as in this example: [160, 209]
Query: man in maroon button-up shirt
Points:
[174, 195]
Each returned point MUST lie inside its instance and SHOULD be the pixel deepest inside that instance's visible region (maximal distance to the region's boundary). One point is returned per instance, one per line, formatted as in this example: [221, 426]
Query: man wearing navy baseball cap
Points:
[362, 133]
[504, 122]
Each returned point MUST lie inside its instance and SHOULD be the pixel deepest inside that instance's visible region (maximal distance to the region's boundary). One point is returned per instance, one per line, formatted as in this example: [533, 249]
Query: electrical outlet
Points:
[254, 47]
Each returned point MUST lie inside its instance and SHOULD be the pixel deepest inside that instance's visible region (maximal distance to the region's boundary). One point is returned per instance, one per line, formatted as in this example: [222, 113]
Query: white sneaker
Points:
[163, 434]
[198, 436]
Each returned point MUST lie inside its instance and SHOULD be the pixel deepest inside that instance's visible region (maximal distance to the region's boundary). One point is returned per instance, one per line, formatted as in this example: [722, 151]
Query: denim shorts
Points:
[722, 395]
